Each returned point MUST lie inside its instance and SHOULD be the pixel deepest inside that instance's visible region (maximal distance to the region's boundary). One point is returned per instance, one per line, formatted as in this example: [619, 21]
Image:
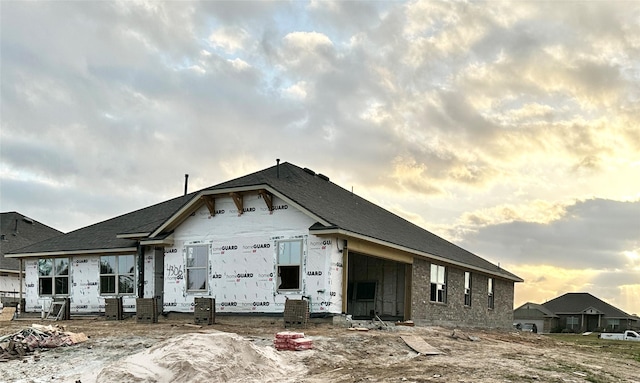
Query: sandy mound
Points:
[210, 357]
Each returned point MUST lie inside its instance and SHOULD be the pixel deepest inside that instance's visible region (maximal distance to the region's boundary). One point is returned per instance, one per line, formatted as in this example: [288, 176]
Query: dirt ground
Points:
[123, 351]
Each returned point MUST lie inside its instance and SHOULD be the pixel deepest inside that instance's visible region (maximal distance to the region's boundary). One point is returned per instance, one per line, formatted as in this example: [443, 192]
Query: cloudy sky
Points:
[511, 129]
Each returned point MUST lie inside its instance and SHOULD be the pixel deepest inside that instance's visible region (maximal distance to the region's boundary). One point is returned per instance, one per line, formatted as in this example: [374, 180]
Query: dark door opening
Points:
[376, 286]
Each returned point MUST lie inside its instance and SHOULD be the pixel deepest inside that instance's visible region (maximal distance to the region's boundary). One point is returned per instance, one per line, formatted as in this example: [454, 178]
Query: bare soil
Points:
[339, 354]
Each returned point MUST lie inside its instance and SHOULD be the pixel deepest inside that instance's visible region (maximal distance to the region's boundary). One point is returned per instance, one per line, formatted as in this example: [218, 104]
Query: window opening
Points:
[53, 276]
[613, 324]
[438, 284]
[467, 288]
[490, 302]
[365, 291]
[289, 265]
[197, 263]
[572, 322]
[117, 274]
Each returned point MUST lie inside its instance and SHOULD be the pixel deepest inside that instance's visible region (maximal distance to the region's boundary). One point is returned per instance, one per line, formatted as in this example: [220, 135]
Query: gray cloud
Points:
[592, 234]
[110, 96]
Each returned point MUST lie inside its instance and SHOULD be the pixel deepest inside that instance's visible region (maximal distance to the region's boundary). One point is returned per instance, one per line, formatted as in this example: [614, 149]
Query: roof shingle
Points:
[331, 203]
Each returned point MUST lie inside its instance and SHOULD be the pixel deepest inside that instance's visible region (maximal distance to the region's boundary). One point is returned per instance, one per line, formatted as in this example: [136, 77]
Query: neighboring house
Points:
[545, 320]
[252, 242]
[577, 312]
[17, 231]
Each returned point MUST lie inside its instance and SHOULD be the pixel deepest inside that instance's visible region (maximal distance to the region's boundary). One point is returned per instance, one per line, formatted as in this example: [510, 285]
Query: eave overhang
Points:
[349, 234]
[132, 235]
[9, 271]
[205, 197]
[166, 241]
[121, 250]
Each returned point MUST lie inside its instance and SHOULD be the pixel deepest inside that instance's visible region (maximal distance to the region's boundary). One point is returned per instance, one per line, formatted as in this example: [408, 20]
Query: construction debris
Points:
[405, 323]
[419, 345]
[294, 341]
[457, 334]
[36, 337]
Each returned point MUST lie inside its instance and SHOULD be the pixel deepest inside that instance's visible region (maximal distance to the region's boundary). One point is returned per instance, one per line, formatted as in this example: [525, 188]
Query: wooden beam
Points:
[268, 199]
[371, 249]
[237, 199]
[210, 201]
[345, 275]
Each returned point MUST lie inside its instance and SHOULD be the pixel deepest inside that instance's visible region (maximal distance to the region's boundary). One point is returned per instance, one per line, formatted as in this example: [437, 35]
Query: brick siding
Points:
[454, 312]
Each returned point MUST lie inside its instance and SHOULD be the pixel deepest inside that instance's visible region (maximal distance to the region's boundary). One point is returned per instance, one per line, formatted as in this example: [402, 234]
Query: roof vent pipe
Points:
[277, 167]
[186, 183]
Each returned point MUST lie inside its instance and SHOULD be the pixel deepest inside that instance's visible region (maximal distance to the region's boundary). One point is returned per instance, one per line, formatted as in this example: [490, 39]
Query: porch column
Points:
[345, 276]
[19, 307]
[140, 259]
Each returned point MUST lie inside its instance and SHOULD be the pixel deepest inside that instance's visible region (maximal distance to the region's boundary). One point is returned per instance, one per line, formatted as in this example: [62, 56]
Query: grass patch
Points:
[569, 369]
[623, 349]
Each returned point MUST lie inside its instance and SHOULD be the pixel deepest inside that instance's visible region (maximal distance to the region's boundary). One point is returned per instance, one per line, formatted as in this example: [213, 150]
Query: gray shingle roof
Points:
[536, 306]
[348, 211]
[102, 235]
[576, 303]
[328, 201]
[17, 232]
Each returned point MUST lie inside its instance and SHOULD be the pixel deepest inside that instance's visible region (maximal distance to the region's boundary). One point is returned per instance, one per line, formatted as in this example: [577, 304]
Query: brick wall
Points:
[454, 312]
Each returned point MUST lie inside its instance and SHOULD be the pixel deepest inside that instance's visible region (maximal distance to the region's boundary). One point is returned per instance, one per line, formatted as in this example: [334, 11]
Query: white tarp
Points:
[241, 265]
[242, 272]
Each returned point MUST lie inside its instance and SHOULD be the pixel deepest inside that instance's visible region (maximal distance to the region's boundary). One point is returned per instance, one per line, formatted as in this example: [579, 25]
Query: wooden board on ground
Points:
[419, 345]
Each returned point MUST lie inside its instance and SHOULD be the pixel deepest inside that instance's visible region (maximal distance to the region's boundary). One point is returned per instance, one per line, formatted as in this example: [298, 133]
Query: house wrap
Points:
[255, 241]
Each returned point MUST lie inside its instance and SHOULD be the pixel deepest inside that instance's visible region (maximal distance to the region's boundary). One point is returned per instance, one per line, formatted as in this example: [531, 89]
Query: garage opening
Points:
[376, 286]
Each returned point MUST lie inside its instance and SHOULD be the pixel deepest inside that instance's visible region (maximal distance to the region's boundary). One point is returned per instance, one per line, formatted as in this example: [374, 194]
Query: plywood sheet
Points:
[419, 345]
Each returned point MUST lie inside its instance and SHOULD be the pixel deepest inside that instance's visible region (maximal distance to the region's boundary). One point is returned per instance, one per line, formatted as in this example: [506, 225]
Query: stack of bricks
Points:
[147, 310]
[294, 341]
[296, 312]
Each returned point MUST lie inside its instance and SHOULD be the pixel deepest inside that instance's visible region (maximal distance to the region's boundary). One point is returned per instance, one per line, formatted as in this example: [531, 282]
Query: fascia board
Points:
[122, 250]
[167, 241]
[8, 271]
[132, 235]
[423, 254]
[196, 201]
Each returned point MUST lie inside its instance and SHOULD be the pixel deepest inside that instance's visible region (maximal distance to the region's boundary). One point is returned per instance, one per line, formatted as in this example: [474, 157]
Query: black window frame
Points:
[56, 280]
[467, 288]
[491, 293]
[112, 274]
[438, 279]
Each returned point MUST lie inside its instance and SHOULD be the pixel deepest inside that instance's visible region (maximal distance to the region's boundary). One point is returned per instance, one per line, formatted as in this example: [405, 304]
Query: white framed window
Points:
[438, 284]
[53, 276]
[490, 301]
[197, 266]
[467, 288]
[613, 324]
[289, 257]
[117, 274]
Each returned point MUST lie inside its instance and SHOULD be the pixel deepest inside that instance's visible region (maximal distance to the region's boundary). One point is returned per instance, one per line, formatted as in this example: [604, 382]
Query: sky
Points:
[510, 129]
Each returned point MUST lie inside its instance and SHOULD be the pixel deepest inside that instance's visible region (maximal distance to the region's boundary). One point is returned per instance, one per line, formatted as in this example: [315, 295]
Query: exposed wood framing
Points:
[210, 201]
[345, 276]
[268, 199]
[375, 250]
[237, 199]
[408, 278]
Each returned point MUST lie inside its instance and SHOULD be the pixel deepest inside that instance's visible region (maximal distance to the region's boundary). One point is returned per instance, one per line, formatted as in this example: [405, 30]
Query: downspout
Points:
[140, 258]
